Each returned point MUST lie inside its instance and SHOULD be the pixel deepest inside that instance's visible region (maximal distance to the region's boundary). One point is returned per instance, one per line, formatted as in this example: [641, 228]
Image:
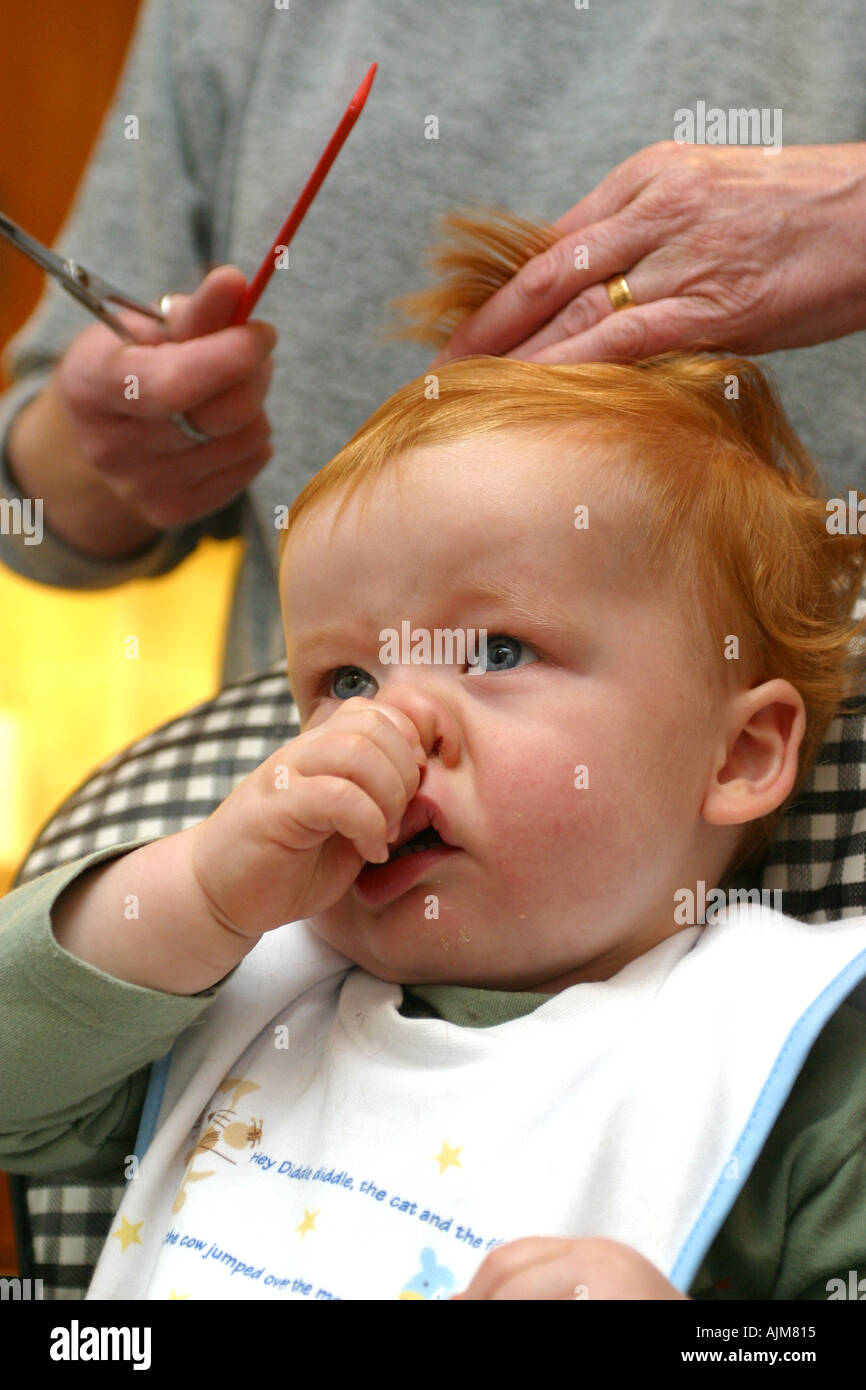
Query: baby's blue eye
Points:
[494, 654]
[351, 689]
[497, 653]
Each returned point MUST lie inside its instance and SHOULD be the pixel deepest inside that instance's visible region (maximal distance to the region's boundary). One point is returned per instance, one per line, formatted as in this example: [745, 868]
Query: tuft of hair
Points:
[729, 505]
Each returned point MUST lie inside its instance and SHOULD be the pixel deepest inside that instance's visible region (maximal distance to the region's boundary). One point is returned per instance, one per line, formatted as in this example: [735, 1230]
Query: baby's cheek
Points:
[543, 817]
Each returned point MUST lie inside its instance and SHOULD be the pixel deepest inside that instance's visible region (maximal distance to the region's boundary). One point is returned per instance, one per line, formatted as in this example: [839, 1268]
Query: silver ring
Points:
[184, 425]
[188, 428]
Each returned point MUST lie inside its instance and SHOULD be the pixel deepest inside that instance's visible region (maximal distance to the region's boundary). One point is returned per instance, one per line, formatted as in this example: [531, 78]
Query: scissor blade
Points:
[32, 248]
[90, 290]
[60, 269]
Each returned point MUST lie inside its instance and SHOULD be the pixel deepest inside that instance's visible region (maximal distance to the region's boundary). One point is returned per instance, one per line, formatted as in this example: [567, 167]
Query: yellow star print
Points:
[128, 1234]
[309, 1221]
[448, 1157]
[177, 1295]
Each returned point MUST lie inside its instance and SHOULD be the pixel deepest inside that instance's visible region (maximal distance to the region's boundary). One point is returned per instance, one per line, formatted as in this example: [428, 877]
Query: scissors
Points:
[90, 290]
[94, 294]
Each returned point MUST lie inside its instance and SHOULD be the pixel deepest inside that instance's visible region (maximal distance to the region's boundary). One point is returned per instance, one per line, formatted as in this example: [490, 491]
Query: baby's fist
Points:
[291, 838]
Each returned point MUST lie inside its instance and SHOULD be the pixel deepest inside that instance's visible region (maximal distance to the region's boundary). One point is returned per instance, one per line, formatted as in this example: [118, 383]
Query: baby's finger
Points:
[510, 1262]
[380, 712]
[369, 763]
[378, 720]
[551, 1279]
[322, 806]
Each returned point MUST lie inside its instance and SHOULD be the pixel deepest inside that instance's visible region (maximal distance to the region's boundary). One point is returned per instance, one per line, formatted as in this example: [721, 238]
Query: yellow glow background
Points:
[69, 695]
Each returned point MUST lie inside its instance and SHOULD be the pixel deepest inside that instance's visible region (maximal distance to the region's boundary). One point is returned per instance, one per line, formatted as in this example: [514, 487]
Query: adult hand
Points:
[728, 247]
[120, 399]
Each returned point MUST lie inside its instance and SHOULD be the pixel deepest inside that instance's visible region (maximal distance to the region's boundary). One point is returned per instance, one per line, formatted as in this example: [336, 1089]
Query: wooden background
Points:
[59, 65]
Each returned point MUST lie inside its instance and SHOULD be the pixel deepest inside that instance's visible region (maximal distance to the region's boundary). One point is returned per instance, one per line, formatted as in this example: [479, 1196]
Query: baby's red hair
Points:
[731, 505]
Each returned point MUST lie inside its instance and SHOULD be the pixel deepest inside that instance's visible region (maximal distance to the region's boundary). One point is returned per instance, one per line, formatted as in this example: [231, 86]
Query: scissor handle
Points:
[94, 293]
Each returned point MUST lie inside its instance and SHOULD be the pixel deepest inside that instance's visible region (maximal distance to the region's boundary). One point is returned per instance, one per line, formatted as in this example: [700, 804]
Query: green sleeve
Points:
[75, 1043]
[800, 1219]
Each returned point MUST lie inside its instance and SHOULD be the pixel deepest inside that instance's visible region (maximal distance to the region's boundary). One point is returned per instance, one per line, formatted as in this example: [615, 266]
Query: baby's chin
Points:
[397, 960]
[443, 966]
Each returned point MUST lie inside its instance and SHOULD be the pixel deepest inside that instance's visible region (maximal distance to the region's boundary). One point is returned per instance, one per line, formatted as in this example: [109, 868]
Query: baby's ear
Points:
[757, 761]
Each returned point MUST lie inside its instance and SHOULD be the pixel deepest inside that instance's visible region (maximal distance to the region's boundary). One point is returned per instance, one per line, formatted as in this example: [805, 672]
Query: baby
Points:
[564, 642]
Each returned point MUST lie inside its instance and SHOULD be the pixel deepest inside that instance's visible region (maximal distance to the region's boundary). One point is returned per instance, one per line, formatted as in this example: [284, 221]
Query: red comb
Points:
[256, 286]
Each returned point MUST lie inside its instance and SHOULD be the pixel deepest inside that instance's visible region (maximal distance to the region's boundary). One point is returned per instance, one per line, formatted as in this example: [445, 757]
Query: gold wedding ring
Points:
[619, 293]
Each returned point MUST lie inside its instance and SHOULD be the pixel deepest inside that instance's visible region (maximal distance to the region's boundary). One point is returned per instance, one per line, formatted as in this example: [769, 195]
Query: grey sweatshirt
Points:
[536, 104]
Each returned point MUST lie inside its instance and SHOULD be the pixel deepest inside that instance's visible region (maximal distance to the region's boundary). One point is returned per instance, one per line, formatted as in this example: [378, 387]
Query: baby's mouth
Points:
[379, 884]
[422, 840]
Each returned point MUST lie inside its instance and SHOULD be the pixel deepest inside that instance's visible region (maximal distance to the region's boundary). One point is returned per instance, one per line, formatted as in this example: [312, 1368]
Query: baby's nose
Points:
[437, 725]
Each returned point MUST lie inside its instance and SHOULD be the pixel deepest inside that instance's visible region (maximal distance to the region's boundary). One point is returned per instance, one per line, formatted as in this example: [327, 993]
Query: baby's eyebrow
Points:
[322, 637]
[523, 600]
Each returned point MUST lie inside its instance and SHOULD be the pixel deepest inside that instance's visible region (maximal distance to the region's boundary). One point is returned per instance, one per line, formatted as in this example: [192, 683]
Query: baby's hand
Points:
[556, 1268]
[294, 835]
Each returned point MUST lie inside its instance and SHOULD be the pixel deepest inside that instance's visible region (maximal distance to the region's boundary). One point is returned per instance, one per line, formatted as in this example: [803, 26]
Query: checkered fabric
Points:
[174, 777]
[169, 780]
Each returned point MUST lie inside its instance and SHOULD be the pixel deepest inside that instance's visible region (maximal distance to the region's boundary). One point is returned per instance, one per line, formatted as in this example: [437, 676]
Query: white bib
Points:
[312, 1143]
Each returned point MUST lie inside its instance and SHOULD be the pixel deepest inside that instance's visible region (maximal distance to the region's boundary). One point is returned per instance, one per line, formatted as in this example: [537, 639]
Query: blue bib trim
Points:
[774, 1093]
[152, 1103]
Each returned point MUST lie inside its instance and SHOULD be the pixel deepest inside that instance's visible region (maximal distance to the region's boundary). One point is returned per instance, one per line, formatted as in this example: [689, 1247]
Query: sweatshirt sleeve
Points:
[143, 218]
[825, 1237]
[75, 1043]
[798, 1227]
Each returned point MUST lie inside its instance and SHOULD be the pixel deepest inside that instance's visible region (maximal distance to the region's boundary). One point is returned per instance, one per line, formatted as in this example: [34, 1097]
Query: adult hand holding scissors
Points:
[729, 247]
[122, 399]
[118, 414]
[164, 425]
